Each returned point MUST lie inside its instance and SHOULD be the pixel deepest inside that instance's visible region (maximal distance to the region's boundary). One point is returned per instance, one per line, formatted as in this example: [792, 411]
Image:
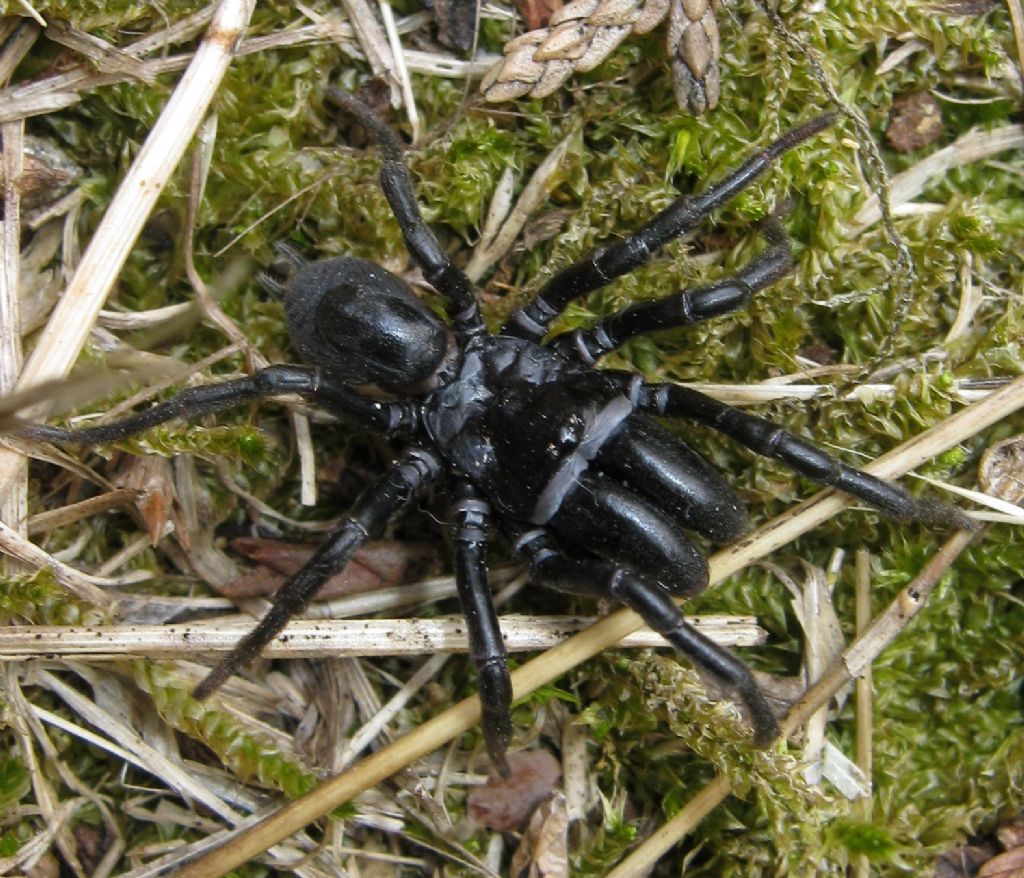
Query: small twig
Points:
[16, 42]
[976, 145]
[372, 40]
[864, 698]
[238, 848]
[102, 55]
[335, 637]
[44, 522]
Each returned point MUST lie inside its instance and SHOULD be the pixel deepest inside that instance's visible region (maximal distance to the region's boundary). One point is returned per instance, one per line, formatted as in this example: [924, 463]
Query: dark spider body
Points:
[565, 459]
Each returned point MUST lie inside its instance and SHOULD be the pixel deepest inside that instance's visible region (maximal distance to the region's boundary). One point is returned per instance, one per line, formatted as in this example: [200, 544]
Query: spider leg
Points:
[658, 610]
[420, 241]
[684, 308]
[768, 439]
[614, 260]
[414, 469]
[469, 518]
[195, 402]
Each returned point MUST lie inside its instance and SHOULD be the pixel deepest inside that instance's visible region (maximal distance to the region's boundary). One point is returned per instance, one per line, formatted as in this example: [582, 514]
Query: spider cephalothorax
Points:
[564, 459]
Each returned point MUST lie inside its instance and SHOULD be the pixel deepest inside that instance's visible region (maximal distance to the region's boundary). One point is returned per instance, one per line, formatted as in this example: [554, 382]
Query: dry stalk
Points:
[44, 522]
[334, 638]
[132, 747]
[401, 69]
[239, 847]
[853, 662]
[864, 696]
[503, 226]
[583, 33]
[14, 500]
[1017, 18]
[65, 88]
[975, 145]
[125, 743]
[102, 56]
[81, 585]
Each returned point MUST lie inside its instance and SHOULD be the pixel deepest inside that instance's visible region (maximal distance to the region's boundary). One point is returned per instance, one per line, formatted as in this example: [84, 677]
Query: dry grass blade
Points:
[857, 656]
[1017, 17]
[973, 146]
[14, 500]
[241, 847]
[82, 585]
[335, 638]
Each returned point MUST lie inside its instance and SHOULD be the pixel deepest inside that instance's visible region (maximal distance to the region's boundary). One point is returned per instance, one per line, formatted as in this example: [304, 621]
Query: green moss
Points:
[39, 600]
[14, 781]
[244, 750]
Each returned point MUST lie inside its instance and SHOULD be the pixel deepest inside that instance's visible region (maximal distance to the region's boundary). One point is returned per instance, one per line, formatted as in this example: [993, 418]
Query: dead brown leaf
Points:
[544, 849]
[378, 564]
[1007, 865]
[506, 803]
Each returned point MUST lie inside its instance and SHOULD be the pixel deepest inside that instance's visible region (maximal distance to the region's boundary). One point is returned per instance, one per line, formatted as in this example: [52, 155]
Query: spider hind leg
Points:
[469, 517]
[658, 610]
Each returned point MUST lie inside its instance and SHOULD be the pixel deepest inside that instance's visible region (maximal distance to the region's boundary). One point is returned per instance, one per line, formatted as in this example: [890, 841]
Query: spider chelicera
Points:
[566, 460]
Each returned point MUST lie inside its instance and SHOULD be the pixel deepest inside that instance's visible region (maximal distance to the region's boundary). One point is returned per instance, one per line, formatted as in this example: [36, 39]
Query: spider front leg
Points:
[210, 398]
[469, 519]
[651, 602]
[415, 469]
[420, 241]
[684, 308]
[615, 260]
[768, 439]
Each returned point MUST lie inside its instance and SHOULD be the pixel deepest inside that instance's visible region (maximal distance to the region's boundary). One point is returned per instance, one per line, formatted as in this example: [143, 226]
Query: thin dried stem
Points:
[14, 500]
[335, 638]
[864, 698]
[495, 242]
[1017, 17]
[81, 585]
[976, 145]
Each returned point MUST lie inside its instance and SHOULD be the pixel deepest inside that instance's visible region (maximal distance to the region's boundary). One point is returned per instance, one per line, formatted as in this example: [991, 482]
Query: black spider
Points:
[566, 459]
